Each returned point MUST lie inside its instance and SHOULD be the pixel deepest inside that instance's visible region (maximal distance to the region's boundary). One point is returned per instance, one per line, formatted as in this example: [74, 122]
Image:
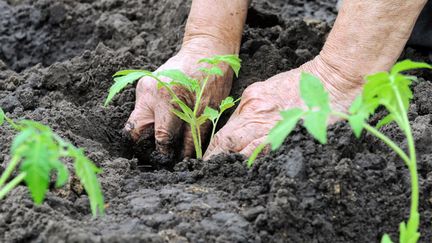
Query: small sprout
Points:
[388, 89]
[38, 153]
[178, 78]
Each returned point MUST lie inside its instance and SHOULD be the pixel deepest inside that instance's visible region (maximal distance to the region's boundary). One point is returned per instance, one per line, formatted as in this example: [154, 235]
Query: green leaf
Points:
[382, 89]
[406, 65]
[386, 120]
[356, 105]
[284, 127]
[359, 113]
[39, 150]
[62, 173]
[408, 233]
[212, 71]
[21, 138]
[179, 78]
[232, 60]
[386, 239]
[37, 168]
[211, 113]
[86, 172]
[126, 72]
[356, 122]
[2, 116]
[313, 93]
[376, 88]
[182, 116]
[122, 81]
[255, 154]
[227, 103]
[316, 124]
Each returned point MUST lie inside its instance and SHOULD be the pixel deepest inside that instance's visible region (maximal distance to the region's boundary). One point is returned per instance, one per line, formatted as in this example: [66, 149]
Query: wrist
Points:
[209, 43]
[216, 23]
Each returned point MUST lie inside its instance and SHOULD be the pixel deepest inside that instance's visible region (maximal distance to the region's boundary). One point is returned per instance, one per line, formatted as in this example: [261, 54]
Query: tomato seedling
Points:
[38, 152]
[388, 89]
[177, 78]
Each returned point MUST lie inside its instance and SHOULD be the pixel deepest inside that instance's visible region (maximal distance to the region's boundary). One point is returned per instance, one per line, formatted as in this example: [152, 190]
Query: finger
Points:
[249, 149]
[142, 117]
[140, 120]
[189, 146]
[167, 127]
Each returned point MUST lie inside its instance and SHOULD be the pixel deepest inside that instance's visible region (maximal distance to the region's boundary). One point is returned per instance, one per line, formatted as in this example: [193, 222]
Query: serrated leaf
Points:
[227, 103]
[386, 120]
[402, 84]
[284, 127]
[210, 60]
[62, 173]
[406, 65]
[386, 239]
[179, 78]
[21, 138]
[211, 113]
[182, 116]
[122, 81]
[232, 60]
[313, 93]
[214, 70]
[86, 172]
[315, 123]
[37, 169]
[383, 89]
[2, 116]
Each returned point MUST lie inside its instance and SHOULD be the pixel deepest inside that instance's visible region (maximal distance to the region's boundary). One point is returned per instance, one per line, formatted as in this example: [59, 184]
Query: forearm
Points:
[222, 21]
[369, 35]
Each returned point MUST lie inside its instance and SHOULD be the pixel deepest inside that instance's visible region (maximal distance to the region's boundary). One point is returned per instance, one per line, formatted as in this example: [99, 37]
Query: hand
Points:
[152, 106]
[262, 102]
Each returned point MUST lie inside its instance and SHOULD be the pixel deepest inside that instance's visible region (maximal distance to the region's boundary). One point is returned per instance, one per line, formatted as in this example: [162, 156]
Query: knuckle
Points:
[146, 86]
[184, 95]
[163, 136]
[254, 90]
[226, 142]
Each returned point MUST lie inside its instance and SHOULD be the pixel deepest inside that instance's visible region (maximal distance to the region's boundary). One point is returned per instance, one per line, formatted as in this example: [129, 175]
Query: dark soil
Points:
[56, 59]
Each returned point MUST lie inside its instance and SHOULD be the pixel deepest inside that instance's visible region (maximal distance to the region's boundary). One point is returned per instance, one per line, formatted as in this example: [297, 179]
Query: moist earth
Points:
[56, 62]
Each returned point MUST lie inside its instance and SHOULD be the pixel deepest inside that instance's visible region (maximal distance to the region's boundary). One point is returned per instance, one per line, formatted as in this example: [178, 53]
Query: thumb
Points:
[235, 136]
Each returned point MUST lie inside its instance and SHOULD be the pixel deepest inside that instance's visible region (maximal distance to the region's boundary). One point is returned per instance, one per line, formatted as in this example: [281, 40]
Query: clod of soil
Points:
[56, 62]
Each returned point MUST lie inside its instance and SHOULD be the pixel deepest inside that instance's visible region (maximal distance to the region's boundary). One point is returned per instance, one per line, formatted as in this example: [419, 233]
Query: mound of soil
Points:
[56, 62]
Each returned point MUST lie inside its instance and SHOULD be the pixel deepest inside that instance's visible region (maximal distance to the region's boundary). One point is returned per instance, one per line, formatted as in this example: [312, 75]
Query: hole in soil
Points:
[257, 19]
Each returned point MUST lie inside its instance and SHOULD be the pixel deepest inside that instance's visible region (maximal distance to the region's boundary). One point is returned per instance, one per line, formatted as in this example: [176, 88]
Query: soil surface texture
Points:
[56, 62]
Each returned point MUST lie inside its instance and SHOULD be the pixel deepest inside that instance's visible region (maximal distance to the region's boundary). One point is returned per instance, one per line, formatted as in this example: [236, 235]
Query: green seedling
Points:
[177, 78]
[38, 152]
[388, 89]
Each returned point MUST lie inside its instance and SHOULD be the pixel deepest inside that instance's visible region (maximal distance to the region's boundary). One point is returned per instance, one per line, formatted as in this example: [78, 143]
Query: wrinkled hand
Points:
[262, 102]
[152, 105]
